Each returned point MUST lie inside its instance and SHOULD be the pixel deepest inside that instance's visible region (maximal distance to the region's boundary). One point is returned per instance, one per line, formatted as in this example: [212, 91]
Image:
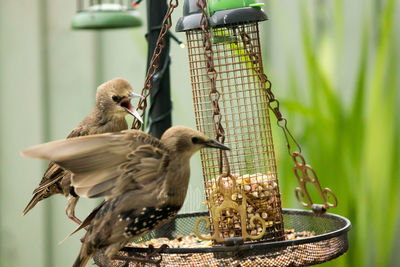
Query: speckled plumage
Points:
[107, 116]
[144, 181]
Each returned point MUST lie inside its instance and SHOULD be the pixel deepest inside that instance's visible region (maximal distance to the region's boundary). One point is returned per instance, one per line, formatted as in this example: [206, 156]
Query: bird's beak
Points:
[214, 144]
[134, 113]
[133, 95]
[126, 104]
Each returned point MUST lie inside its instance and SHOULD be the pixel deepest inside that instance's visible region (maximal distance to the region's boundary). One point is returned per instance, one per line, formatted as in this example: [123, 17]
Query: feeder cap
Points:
[222, 13]
[110, 16]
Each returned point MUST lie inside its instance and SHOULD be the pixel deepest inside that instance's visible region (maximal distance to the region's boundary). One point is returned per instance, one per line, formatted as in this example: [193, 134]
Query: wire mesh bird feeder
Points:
[246, 225]
[231, 103]
[105, 14]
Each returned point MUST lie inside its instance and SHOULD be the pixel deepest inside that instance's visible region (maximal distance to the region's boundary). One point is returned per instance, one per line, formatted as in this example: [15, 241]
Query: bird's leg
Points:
[70, 209]
[152, 251]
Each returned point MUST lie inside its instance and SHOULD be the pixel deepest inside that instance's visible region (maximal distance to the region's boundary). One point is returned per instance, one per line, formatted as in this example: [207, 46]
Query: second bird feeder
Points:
[231, 103]
[105, 14]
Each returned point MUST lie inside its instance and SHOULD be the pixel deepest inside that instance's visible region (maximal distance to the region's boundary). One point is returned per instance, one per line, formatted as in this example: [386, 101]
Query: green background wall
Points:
[333, 64]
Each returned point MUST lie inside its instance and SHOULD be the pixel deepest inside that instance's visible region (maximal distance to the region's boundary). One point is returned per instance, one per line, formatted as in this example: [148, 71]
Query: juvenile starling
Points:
[144, 180]
[112, 104]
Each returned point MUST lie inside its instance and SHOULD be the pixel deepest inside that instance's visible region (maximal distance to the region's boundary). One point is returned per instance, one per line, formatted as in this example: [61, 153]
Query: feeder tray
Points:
[98, 15]
[329, 242]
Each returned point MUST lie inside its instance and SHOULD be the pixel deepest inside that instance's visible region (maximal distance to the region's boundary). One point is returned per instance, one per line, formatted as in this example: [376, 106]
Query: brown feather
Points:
[96, 159]
[107, 116]
[149, 181]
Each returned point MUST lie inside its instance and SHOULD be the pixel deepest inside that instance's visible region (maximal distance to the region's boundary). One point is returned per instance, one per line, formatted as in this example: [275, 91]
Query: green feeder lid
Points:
[106, 16]
[216, 5]
[222, 13]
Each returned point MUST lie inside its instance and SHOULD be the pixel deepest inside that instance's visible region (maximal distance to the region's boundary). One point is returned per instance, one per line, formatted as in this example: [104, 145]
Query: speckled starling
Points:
[113, 102]
[144, 180]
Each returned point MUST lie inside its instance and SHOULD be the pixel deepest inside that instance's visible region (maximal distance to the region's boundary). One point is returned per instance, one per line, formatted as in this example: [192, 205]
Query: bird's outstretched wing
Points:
[55, 173]
[108, 164]
[52, 177]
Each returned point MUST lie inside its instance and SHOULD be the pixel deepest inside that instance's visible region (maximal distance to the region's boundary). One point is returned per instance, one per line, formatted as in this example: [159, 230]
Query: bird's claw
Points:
[154, 251]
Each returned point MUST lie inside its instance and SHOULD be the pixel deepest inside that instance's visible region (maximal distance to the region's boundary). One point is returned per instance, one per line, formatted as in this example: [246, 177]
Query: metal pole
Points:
[160, 95]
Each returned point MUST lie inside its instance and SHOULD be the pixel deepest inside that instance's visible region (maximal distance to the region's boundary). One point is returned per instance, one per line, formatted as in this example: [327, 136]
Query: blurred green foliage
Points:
[349, 134]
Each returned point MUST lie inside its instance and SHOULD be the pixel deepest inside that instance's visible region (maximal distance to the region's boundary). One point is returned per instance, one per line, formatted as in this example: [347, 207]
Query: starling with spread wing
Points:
[144, 181]
[112, 104]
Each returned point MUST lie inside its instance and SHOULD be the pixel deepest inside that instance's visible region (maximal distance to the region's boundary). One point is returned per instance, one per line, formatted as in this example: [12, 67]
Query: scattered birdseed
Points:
[192, 241]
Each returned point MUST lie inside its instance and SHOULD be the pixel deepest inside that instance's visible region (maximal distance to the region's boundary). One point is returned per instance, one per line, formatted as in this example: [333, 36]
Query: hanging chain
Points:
[155, 62]
[303, 172]
[214, 95]
[273, 103]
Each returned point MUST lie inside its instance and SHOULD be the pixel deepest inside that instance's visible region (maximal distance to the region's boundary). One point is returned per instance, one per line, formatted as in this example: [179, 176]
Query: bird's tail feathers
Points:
[84, 256]
[82, 260]
[69, 235]
[47, 184]
[35, 199]
[86, 222]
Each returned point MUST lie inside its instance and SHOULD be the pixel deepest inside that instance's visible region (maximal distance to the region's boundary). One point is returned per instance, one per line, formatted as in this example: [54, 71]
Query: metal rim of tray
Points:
[261, 245]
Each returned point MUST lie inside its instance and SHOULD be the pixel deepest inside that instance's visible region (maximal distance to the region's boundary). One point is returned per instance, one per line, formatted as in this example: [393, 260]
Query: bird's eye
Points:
[195, 140]
[115, 98]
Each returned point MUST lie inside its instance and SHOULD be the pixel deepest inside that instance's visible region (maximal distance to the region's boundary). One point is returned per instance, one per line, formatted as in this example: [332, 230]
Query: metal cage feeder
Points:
[246, 225]
[105, 14]
[247, 202]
